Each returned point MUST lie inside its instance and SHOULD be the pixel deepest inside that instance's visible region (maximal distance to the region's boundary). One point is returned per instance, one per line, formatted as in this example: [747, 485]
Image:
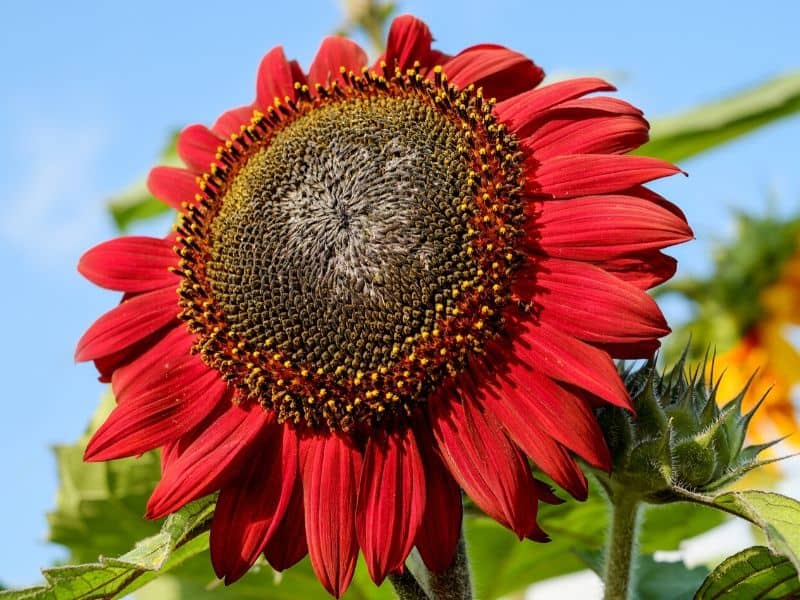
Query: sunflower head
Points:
[361, 253]
[681, 436]
[390, 282]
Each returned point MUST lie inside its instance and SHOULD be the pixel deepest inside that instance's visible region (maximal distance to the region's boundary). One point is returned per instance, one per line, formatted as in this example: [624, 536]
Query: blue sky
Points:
[91, 89]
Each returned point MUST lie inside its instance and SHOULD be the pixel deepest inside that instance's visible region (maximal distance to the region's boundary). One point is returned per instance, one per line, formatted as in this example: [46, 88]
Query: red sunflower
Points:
[389, 283]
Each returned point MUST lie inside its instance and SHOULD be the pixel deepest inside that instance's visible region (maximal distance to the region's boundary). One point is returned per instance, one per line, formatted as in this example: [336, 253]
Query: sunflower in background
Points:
[746, 309]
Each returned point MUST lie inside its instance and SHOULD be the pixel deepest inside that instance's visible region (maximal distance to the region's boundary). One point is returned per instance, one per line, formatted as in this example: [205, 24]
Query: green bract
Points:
[681, 438]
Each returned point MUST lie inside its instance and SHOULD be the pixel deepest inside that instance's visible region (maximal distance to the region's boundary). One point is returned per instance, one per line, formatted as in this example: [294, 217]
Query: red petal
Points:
[596, 104]
[522, 394]
[644, 270]
[595, 228]
[197, 146]
[583, 300]
[579, 133]
[249, 509]
[485, 463]
[519, 111]
[168, 410]
[230, 123]
[130, 264]
[275, 79]
[173, 186]
[502, 73]
[644, 349]
[543, 450]
[567, 359]
[168, 358]
[336, 52]
[131, 321]
[585, 174]
[391, 501]
[212, 461]
[409, 40]
[287, 545]
[437, 538]
[173, 450]
[108, 365]
[330, 466]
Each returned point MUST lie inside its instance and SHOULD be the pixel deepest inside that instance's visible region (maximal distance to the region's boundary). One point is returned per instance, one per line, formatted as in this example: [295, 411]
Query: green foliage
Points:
[661, 580]
[371, 17]
[728, 303]
[180, 537]
[137, 204]
[752, 573]
[501, 564]
[655, 580]
[777, 515]
[196, 580]
[100, 506]
[709, 125]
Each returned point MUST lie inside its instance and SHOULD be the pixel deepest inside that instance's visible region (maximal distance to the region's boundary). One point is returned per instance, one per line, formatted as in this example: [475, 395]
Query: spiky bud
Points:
[681, 438]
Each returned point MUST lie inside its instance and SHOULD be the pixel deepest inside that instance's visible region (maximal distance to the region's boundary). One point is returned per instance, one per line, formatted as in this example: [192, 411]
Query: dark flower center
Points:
[338, 240]
[354, 248]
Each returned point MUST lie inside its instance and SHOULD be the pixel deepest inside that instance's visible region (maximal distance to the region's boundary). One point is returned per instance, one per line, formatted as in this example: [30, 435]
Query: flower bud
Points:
[680, 438]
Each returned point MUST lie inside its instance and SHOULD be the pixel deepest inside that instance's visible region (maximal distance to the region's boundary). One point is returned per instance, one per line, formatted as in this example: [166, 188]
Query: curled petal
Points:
[643, 269]
[485, 463]
[275, 79]
[211, 461]
[249, 509]
[330, 466]
[336, 52]
[521, 111]
[409, 41]
[197, 146]
[502, 73]
[173, 186]
[391, 501]
[287, 545]
[437, 537]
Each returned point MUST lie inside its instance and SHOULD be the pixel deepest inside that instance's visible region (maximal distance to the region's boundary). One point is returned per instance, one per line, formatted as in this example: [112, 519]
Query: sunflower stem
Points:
[619, 572]
[455, 582]
[406, 586]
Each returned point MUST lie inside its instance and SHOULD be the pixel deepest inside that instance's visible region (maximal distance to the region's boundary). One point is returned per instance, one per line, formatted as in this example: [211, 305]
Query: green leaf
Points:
[653, 579]
[137, 204]
[182, 536]
[777, 515]
[100, 506]
[195, 580]
[684, 135]
[752, 573]
[661, 580]
[501, 564]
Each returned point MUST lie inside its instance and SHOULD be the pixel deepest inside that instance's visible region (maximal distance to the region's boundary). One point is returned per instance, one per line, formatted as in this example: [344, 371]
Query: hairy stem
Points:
[406, 586]
[454, 583]
[620, 548]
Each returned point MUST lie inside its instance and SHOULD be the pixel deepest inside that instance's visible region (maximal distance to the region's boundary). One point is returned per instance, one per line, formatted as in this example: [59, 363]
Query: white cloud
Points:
[52, 205]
